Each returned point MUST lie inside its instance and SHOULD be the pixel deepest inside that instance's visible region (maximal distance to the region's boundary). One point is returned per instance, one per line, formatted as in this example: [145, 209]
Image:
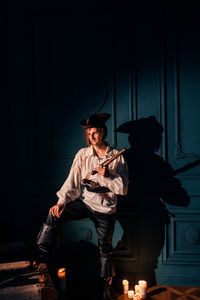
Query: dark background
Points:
[62, 61]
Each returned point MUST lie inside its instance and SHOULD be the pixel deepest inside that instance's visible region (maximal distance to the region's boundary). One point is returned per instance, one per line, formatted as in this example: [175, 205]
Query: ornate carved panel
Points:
[183, 238]
[124, 237]
[183, 91]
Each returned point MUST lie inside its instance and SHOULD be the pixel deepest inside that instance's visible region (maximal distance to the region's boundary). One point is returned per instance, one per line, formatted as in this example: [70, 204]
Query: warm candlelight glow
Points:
[125, 281]
[125, 286]
[130, 294]
[136, 296]
[61, 273]
[142, 288]
[143, 283]
[136, 288]
[61, 279]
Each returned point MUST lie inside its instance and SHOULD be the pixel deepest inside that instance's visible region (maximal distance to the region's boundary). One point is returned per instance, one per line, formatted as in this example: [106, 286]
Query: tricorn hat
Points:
[145, 133]
[96, 120]
[143, 125]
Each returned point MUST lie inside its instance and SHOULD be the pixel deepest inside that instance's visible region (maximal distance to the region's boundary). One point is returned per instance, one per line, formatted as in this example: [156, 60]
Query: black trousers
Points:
[75, 210]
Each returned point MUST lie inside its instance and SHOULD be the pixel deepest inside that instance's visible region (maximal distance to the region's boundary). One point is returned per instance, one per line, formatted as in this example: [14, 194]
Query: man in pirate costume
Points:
[97, 201]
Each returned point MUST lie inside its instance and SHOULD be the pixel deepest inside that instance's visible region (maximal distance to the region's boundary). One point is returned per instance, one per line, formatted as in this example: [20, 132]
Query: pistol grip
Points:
[93, 172]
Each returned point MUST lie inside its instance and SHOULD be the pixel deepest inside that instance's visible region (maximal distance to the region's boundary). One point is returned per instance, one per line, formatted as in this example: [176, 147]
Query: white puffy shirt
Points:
[84, 162]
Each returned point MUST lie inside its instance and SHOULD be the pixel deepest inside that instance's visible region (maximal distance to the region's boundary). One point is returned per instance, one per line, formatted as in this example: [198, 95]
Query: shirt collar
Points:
[90, 151]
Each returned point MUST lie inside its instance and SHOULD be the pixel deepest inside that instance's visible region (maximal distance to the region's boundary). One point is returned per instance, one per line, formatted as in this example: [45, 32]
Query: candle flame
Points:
[125, 281]
[61, 272]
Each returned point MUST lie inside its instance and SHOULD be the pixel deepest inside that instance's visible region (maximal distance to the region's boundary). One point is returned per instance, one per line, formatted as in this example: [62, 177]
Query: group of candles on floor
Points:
[140, 291]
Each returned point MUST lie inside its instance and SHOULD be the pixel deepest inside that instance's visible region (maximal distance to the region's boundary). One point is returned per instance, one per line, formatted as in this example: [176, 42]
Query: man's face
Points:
[94, 136]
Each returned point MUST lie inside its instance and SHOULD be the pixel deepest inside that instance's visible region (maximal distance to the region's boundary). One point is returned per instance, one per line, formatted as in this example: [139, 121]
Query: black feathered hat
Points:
[96, 120]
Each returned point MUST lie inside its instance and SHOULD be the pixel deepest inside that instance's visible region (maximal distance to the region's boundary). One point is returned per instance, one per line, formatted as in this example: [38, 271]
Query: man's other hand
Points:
[101, 170]
[56, 210]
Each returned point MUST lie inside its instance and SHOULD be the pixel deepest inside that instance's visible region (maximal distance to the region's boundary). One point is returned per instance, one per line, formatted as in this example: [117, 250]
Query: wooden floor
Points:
[19, 282]
[25, 286]
[163, 292]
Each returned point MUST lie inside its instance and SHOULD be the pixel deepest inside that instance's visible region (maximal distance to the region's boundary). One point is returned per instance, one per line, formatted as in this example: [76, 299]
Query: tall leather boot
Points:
[45, 242]
[107, 273]
[106, 289]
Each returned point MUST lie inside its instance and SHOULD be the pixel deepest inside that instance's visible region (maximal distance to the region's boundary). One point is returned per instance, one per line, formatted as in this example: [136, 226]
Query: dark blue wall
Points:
[63, 61]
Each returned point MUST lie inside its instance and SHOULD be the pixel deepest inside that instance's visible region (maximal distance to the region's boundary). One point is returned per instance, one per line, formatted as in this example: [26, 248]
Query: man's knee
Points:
[106, 249]
[52, 220]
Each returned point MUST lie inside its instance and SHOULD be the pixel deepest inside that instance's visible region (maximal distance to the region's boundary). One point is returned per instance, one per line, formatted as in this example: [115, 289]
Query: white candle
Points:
[136, 296]
[142, 288]
[61, 279]
[125, 286]
[130, 294]
[136, 288]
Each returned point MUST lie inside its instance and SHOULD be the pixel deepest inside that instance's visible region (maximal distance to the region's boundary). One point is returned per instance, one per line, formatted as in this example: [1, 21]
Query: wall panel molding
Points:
[180, 154]
[182, 245]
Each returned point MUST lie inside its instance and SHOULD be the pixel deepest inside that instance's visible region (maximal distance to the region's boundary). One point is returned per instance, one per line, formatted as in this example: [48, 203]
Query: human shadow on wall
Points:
[152, 185]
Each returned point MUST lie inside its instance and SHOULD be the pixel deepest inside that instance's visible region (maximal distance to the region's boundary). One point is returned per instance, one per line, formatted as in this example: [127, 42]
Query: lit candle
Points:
[125, 285]
[136, 296]
[142, 288]
[136, 288]
[130, 294]
[61, 279]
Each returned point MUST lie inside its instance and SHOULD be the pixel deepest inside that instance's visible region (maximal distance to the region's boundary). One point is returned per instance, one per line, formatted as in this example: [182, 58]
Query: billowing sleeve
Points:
[71, 187]
[117, 182]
